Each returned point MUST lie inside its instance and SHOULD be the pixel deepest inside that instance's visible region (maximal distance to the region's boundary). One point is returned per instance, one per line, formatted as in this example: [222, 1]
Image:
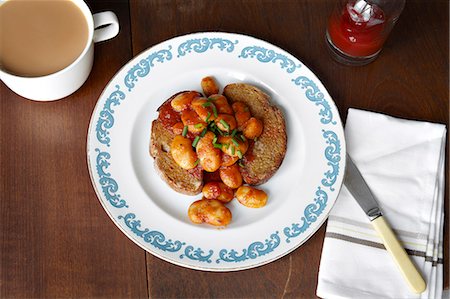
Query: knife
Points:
[358, 188]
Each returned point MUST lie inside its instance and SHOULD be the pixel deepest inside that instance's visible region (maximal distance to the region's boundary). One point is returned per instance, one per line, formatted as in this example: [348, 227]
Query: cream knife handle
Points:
[404, 263]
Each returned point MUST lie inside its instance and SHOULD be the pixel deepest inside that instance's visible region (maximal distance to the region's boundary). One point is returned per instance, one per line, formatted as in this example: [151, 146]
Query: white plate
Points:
[154, 216]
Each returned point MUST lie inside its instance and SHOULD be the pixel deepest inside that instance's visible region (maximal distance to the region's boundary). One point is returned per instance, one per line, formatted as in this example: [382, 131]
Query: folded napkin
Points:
[402, 161]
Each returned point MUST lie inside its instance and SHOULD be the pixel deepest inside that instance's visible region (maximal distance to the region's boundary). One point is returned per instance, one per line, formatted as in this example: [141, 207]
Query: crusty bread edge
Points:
[281, 158]
[155, 152]
[171, 183]
[280, 115]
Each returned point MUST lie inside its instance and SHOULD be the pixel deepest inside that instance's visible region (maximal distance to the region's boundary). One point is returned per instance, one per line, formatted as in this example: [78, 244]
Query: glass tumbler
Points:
[357, 29]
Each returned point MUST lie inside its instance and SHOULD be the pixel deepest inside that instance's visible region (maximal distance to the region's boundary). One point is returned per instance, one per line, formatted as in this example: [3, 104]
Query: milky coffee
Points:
[40, 37]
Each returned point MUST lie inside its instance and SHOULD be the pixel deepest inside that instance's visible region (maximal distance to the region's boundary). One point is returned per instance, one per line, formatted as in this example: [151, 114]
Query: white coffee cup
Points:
[66, 81]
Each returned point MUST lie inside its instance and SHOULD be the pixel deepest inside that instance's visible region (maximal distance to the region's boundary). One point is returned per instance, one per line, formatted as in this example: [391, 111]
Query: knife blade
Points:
[359, 189]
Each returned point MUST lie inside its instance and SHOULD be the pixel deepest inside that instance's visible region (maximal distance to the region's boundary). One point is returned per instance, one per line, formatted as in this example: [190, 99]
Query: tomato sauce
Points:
[196, 172]
[168, 116]
[211, 176]
[249, 156]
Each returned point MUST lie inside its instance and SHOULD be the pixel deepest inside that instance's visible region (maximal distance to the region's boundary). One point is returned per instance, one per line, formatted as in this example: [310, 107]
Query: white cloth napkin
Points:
[402, 161]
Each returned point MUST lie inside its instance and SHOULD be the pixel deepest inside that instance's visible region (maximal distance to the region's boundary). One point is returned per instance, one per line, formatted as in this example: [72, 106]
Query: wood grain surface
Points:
[56, 241]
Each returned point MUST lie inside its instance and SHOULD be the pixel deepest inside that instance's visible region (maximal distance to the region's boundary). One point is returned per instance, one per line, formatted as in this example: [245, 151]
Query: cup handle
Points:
[109, 24]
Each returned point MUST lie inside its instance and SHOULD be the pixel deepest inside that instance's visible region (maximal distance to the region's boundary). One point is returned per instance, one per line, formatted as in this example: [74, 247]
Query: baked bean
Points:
[236, 148]
[225, 122]
[183, 153]
[221, 104]
[240, 107]
[210, 211]
[231, 176]
[191, 119]
[218, 190]
[209, 156]
[252, 128]
[241, 113]
[251, 197]
[178, 128]
[228, 160]
[183, 100]
[209, 86]
[204, 111]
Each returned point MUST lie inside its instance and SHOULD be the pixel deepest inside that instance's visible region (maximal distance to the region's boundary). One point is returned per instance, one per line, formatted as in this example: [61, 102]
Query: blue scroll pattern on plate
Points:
[108, 184]
[153, 237]
[201, 45]
[314, 210]
[265, 55]
[106, 116]
[333, 156]
[314, 94]
[144, 66]
[254, 250]
[310, 215]
[197, 254]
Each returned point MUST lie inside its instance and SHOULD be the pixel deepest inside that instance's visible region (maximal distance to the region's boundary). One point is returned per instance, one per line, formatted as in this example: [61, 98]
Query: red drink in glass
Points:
[357, 29]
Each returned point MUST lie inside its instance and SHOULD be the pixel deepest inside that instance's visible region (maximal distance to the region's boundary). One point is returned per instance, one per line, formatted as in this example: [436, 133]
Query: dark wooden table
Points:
[57, 241]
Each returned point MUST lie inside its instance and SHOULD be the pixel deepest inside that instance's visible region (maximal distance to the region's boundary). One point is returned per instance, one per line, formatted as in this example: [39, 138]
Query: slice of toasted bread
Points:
[265, 155]
[188, 182]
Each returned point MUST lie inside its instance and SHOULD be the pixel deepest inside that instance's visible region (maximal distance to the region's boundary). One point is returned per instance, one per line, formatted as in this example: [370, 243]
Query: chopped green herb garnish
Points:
[240, 164]
[232, 150]
[198, 126]
[185, 130]
[226, 145]
[208, 116]
[214, 139]
[196, 140]
[214, 109]
[204, 132]
[225, 124]
[255, 139]
[196, 162]
[233, 133]
[220, 132]
[239, 153]
[243, 138]
[211, 99]
[217, 145]
[235, 142]
[207, 104]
